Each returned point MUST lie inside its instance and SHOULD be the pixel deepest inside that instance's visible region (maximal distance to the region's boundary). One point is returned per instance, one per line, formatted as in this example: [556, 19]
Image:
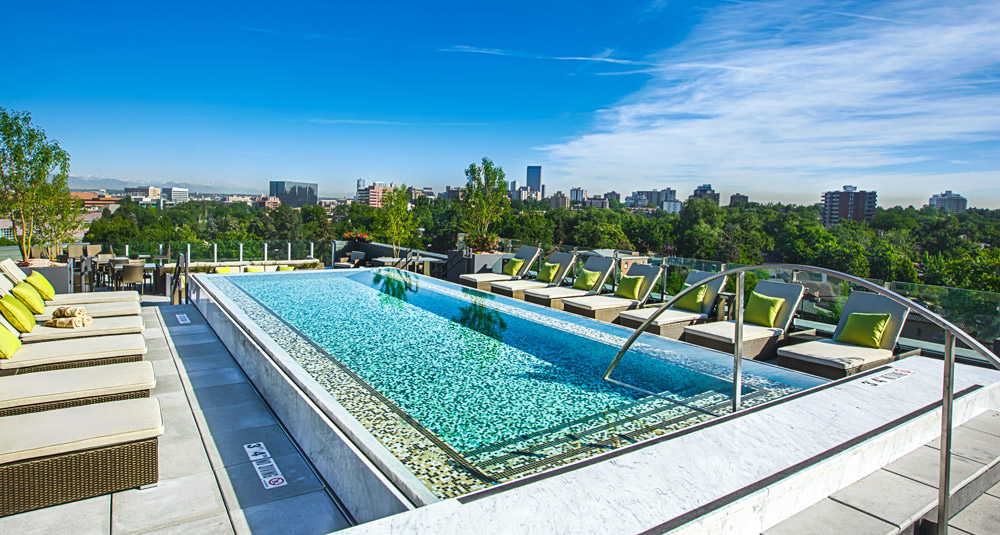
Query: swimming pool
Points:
[468, 389]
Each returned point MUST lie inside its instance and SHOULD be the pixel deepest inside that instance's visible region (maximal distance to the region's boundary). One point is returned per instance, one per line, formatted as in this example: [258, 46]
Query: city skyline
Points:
[777, 102]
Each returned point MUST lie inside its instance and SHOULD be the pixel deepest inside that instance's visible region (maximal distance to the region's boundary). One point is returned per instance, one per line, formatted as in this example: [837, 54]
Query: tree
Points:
[484, 199]
[60, 216]
[33, 173]
[394, 220]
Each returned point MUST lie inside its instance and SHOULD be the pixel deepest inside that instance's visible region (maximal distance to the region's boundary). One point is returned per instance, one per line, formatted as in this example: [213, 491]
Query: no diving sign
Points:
[267, 470]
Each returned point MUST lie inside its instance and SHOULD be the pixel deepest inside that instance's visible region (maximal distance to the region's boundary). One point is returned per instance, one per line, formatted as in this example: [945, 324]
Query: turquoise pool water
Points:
[477, 369]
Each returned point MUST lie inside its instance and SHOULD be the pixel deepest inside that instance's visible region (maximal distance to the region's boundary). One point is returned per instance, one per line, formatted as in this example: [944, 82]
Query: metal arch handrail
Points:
[951, 334]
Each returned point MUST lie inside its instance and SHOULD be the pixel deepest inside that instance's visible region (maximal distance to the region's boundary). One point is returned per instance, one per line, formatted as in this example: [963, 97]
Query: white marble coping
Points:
[643, 489]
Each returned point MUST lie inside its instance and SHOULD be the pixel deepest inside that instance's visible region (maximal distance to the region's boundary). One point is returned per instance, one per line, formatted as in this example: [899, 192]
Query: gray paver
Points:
[220, 396]
[980, 517]
[311, 514]
[173, 501]
[233, 417]
[831, 518]
[890, 497]
[213, 525]
[242, 488]
[83, 517]
[994, 491]
[988, 422]
[972, 444]
[225, 449]
[215, 377]
[164, 367]
[922, 465]
[194, 339]
[208, 362]
[211, 348]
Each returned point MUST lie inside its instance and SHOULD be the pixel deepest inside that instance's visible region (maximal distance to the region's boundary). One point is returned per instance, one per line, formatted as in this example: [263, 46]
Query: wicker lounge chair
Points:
[553, 297]
[482, 281]
[100, 327]
[14, 275]
[58, 456]
[832, 359]
[607, 307]
[356, 261]
[74, 353]
[99, 310]
[759, 342]
[672, 321]
[37, 392]
[516, 288]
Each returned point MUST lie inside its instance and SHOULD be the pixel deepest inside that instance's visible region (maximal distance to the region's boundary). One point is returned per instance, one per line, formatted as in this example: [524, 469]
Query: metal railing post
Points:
[161, 249]
[265, 251]
[188, 256]
[738, 343]
[310, 249]
[947, 401]
[289, 251]
[126, 249]
[614, 270]
[333, 252]
[241, 251]
[215, 253]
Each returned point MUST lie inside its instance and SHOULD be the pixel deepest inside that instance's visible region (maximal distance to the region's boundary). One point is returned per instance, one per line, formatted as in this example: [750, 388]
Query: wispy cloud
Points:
[802, 98]
[376, 122]
[603, 57]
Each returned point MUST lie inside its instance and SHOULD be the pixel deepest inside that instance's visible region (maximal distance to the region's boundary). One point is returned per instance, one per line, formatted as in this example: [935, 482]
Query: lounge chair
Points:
[759, 341]
[833, 359]
[100, 327]
[553, 297]
[58, 456]
[74, 353]
[37, 392]
[98, 309]
[483, 281]
[607, 307]
[672, 321]
[357, 260]
[15, 274]
[516, 288]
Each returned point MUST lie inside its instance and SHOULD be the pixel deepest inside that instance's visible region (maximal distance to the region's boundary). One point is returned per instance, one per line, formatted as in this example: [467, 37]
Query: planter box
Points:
[479, 263]
[60, 277]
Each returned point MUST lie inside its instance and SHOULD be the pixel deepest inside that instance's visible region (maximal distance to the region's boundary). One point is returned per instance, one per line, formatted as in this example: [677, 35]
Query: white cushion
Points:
[39, 434]
[93, 297]
[520, 285]
[600, 302]
[670, 315]
[99, 310]
[58, 385]
[486, 277]
[558, 292]
[100, 327]
[834, 354]
[58, 351]
[725, 331]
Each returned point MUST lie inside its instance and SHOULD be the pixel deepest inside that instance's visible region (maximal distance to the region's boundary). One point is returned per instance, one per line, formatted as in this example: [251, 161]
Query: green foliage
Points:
[394, 221]
[484, 197]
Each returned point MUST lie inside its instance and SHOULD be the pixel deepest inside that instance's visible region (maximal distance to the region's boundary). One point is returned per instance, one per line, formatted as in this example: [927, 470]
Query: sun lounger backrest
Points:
[650, 274]
[791, 293]
[5, 286]
[529, 254]
[712, 288]
[602, 264]
[357, 256]
[6, 324]
[565, 261]
[870, 303]
[12, 271]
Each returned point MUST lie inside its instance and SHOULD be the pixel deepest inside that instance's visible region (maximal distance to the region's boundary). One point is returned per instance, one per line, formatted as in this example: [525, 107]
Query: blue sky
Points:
[779, 100]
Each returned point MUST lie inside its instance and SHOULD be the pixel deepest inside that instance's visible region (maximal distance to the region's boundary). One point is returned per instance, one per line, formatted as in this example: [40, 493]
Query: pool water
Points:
[478, 370]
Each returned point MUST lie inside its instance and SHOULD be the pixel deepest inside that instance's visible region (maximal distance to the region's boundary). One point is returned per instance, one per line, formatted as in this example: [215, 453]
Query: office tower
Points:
[452, 192]
[636, 200]
[849, 204]
[705, 191]
[948, 202]
[672, 207]
[737, 199]
[429, 193]
[294, 194]
[373, 195]
[535, 178]
[143, 191]
[598, 202]
[559, 200]
[613, 195]
[514, 186]
[361, 184]
[577, 195]
[658, 197]
[177, 195]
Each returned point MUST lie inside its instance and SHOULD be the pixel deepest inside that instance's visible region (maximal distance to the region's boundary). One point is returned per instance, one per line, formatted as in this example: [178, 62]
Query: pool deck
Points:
[207, 483]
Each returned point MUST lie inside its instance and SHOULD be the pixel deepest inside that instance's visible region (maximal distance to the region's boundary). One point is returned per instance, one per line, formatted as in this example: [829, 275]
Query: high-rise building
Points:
[577, 195]
[534, 178]
[598, 202]
[948, 202]
[265, 201]
[361, 184]
[429, 192]
[613, 195]
[705, 191]
[738, 199]
[672, 207]
[452, 192]
[848, 204]
[177, 195]
[514, 186]
[372, 195]
[559, 200]
[658, 197]
[143, 191]
[294, 194]
[636, 200]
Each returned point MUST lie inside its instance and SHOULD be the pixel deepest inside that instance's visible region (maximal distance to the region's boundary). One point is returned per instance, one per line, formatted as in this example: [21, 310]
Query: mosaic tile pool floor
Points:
[468, 390]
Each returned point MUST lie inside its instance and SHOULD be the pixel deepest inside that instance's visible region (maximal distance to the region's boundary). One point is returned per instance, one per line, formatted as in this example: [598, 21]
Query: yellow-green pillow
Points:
[548, 272]
[762, 310]
[17, 314]
[255, 269]
[628, 287]
[41, 284]
[586, 280]
[513, 266]
[29, 296]
[222, 269]
[863, 329]
[9, 343]
[286, 268]
[692, 300]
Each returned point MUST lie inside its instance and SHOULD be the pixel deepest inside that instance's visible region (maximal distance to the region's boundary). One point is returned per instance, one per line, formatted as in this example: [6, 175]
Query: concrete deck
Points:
[207, 483]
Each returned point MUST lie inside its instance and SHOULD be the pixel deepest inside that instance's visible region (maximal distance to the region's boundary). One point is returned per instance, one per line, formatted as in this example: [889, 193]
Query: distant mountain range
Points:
[117, 184]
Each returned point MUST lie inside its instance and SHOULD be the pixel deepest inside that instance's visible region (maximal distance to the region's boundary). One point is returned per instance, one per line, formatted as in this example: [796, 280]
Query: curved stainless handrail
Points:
[952, 333]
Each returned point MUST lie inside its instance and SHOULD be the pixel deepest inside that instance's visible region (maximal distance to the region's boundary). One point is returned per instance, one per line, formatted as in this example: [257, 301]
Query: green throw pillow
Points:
[863, 329]
[17, 314]
[586, 280]
[762, 310]
[692, 300]
[29, 296]
[41, 284]
[548, 272]
[628, 287]
[9, 343]
[222, 269]
[286, 268]
[513, 266]
[255, 269]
